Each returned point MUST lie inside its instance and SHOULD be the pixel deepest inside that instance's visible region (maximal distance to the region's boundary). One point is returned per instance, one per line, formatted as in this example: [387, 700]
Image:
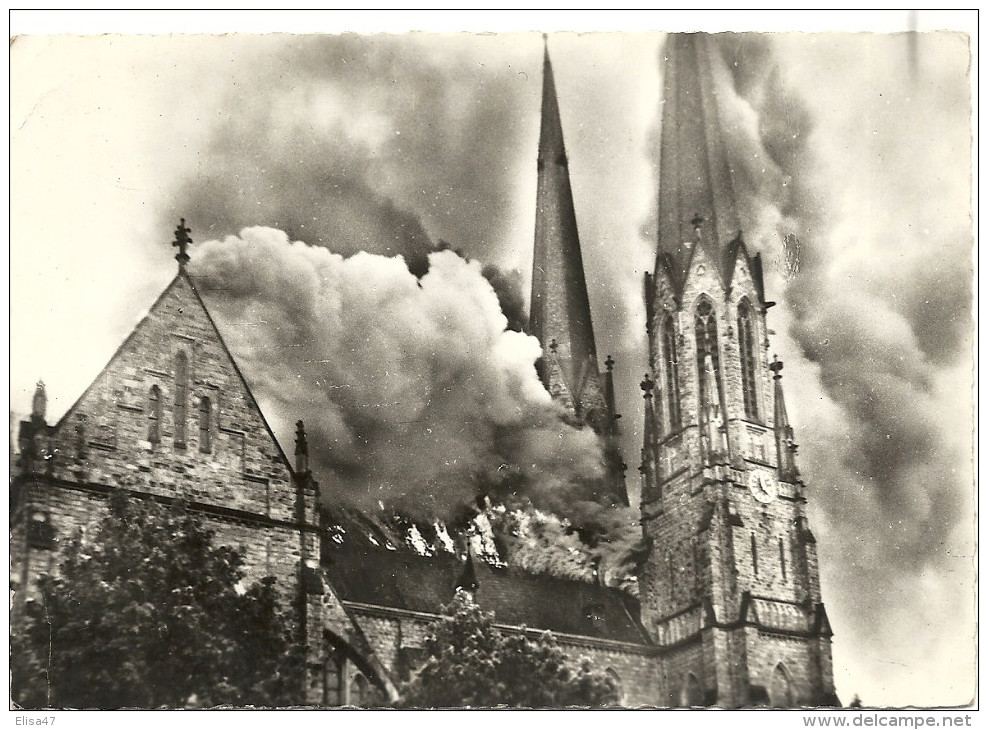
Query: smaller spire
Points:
[39, 404]
[785, 442]
[182, 241]
[301, 448]
[649, 463]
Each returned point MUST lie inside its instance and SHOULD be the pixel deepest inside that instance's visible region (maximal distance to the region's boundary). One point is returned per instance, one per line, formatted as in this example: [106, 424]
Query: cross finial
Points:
[647, 385]
[609, 362]
[553, 345]
[182, 241]
[776, 367]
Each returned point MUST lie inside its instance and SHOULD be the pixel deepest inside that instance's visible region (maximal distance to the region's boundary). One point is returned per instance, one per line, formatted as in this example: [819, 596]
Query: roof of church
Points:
[404, 580]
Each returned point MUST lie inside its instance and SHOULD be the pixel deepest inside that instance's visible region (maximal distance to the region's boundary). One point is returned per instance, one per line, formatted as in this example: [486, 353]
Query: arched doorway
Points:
[780, 689]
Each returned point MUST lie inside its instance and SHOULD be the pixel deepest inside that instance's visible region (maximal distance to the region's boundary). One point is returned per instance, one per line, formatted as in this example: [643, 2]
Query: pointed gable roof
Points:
[241, 466]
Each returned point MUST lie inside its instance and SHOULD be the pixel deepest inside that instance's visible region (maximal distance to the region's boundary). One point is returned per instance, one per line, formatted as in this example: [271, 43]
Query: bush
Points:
[472, 664]
[147, 612]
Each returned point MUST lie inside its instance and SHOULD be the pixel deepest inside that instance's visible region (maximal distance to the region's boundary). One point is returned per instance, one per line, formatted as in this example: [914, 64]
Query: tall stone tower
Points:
[560, 307]
[730, 590]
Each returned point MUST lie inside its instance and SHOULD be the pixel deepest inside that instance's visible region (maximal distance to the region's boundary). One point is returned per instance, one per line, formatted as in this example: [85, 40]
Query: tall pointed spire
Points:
[560, 307]
[697, 204]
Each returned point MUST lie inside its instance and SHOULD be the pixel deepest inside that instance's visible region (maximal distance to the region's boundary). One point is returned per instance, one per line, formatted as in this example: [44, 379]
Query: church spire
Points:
[560, 307]
[697, 205]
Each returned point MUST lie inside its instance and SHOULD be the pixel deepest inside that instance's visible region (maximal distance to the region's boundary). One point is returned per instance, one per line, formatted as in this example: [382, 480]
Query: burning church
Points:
[721, 603]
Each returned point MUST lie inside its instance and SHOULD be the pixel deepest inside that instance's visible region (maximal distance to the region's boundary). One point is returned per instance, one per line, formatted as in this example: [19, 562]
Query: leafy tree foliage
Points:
[147, 612]
[472, 664]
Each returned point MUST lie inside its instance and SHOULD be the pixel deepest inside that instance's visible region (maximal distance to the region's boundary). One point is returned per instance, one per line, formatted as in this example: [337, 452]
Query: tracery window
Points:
[671, 372]
[706, 343]
[746, 346]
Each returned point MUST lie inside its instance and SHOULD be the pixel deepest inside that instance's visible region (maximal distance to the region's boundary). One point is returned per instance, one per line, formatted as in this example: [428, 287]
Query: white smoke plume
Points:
[413, 390]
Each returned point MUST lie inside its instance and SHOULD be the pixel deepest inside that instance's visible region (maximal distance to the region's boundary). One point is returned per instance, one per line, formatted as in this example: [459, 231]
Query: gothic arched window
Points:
[671, 371]
[746, 346]
[706, 343]
[154, 414]
[181, 396]
[205, 436]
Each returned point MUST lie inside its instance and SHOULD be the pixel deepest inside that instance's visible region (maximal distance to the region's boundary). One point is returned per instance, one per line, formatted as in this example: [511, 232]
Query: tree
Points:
[147, 612]
[470, 663]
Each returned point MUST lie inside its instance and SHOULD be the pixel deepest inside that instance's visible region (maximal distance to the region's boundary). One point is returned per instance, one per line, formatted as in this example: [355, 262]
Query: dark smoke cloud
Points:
[362, 143]
[510, 295]
[880, 307]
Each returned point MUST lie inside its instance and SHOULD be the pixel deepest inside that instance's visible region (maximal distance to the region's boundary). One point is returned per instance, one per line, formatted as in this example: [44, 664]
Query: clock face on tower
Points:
[762, 487]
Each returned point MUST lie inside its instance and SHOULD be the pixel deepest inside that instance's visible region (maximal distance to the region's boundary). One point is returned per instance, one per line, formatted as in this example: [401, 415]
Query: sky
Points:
[305, 164]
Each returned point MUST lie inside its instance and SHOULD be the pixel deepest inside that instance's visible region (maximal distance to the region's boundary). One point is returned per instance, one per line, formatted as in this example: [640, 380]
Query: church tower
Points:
[560, 307]
[730, 590]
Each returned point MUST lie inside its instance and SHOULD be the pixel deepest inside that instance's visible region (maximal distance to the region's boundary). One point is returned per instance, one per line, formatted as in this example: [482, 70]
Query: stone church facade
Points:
[730, 610]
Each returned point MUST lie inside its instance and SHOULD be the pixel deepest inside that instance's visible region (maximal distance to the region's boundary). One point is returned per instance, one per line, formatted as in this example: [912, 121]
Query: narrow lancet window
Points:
[205, 435]
[154, 414]
[746, 346]
[672, 372]
[754, 553]
[782, 557]
[181, 396]
[706, 344]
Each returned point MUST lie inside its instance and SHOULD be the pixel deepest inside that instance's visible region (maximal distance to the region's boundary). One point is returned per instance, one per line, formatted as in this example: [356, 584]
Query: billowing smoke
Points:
[413, 390]
[879, 308]
[363, 143]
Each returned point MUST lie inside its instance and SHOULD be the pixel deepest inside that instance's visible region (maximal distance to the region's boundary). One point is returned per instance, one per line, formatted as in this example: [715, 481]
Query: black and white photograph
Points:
[492, 360]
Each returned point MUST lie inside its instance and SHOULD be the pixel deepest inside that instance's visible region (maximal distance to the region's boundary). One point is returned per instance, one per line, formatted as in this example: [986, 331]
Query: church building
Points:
[730, 611]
